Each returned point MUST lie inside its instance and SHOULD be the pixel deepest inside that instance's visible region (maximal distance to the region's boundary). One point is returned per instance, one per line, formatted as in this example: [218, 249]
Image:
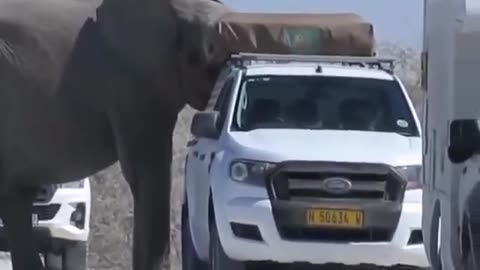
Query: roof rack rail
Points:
[242, 60]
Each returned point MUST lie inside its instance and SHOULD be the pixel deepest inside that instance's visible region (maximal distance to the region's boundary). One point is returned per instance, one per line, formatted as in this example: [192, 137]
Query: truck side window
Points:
[222, 103]
[217, 89]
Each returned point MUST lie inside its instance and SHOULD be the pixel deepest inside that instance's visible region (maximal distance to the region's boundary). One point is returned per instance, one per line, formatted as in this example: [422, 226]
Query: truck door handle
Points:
[212, 157]
[202, 157]
[195, 153]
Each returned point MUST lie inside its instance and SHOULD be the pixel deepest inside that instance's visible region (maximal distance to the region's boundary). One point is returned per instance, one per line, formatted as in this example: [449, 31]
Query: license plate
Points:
[336, 218]
[34, 220]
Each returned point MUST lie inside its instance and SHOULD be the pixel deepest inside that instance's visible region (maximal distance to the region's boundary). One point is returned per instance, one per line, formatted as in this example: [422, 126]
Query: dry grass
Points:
[111, 224]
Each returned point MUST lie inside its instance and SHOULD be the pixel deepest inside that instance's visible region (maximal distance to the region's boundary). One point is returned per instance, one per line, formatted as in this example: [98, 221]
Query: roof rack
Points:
[242, 60]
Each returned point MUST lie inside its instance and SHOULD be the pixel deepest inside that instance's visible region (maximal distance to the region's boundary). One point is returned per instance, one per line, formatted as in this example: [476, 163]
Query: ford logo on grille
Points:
[337, 185]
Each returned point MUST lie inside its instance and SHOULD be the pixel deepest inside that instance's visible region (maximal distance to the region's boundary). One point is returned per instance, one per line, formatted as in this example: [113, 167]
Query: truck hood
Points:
[277, 145]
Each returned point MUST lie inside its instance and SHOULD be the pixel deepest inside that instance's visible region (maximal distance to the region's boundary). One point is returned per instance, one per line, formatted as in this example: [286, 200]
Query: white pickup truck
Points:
[304, 159]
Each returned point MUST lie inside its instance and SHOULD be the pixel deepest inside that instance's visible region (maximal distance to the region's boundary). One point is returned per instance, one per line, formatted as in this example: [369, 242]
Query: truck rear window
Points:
[320, 102]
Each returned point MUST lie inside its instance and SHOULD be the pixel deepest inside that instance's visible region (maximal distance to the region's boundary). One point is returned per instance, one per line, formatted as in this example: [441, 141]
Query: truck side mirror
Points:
[204, 124]
[464, 140]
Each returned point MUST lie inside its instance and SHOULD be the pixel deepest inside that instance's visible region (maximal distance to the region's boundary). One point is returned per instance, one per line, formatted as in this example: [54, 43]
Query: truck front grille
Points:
[311, 185]
[307, 183]
[295, 187]
[46, 212]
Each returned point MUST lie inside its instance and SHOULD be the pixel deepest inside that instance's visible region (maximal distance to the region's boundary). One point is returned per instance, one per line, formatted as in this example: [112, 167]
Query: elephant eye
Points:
[193, 58]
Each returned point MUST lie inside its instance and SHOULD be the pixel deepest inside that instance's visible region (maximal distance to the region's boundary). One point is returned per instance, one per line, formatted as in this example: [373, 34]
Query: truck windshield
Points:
[320, 102]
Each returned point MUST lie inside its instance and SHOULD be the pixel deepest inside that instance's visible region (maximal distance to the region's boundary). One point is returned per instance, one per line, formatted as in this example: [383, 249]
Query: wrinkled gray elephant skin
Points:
[85, 84]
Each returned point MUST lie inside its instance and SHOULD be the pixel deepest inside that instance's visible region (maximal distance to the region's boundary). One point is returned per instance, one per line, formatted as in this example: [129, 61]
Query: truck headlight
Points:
[413, 175]
[73, 184]
[245, 170]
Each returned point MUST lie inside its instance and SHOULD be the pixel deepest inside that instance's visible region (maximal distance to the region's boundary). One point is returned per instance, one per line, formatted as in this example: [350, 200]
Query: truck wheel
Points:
[218, 260]
[190, 259]
[75, 257]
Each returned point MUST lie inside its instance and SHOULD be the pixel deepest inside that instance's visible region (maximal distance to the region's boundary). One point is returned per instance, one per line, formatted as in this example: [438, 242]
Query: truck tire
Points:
[75, 257]
[218, 260]
[190, 259]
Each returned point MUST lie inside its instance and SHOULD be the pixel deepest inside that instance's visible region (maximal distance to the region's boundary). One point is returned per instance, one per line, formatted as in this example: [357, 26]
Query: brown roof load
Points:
[319, 34]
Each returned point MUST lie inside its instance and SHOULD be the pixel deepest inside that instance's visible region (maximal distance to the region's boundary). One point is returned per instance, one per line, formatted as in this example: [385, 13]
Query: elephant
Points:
[85, 84]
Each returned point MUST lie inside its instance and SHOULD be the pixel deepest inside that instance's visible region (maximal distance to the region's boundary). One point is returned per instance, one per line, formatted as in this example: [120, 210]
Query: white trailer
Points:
[451, 144]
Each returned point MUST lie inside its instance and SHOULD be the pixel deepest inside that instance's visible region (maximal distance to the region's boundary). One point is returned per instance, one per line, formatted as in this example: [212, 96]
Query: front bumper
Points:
[267, 222]
[61, 225]
[404, 248]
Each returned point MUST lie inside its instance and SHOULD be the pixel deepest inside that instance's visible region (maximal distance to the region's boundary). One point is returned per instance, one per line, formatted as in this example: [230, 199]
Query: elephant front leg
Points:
[144, 146]
[17, 218]
[151, 222]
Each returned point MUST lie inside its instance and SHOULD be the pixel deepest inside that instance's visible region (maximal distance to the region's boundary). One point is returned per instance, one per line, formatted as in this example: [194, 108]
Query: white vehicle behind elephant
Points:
[61, 223]
[307, 183]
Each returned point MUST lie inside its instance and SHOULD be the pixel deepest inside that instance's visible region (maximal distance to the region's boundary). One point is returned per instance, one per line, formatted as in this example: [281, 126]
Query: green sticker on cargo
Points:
[321, 34]
[302, 40]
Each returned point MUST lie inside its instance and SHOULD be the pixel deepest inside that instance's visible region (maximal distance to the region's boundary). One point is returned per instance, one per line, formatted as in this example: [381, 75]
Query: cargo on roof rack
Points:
[276, 33]
[244, 59]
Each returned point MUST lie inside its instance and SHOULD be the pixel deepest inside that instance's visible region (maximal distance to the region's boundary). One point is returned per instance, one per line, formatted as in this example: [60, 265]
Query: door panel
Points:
[197, 176]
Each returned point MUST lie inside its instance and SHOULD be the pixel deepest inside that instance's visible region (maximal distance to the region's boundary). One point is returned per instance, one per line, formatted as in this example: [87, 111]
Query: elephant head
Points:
[166, 41]
[197, 48]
